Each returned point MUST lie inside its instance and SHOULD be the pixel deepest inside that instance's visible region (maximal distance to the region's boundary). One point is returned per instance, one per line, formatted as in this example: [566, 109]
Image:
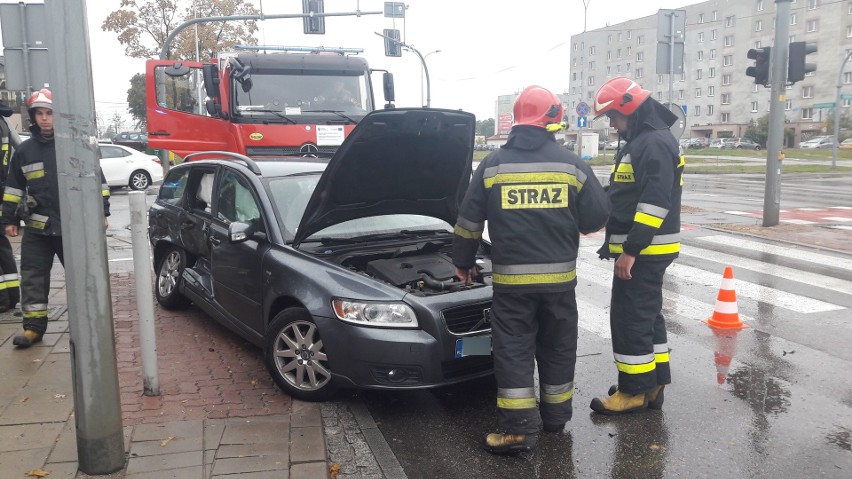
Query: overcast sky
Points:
[487, 47]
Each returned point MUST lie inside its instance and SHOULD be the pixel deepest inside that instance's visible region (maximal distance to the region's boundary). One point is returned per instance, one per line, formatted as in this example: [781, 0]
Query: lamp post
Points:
[837, 112]
[424, 69]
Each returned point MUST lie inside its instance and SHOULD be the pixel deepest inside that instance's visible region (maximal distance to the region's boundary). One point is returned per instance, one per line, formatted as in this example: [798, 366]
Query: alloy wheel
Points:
[299, 356]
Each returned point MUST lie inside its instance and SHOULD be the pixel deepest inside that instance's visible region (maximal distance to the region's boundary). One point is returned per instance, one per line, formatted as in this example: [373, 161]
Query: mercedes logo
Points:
[309, 150]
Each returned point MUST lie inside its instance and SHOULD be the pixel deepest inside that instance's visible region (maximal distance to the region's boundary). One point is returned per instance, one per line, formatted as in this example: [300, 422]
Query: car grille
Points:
[467, 319]
[320, 151]
[467, 366]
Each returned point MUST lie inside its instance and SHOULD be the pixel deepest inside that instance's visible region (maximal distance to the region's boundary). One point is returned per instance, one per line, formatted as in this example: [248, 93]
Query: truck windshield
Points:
[296, 95]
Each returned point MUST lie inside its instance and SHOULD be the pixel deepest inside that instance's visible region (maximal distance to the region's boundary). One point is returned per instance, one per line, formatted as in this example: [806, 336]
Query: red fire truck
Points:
[293, 101]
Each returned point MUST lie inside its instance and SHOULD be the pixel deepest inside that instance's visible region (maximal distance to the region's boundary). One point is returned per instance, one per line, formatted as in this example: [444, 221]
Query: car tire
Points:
[139, 180]
[169, 276]
[295, 357]
[756, 148]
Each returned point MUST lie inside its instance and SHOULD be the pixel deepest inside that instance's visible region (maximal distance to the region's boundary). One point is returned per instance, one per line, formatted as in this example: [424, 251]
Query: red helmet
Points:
[40, 99]
[537, 106]
[620, 94]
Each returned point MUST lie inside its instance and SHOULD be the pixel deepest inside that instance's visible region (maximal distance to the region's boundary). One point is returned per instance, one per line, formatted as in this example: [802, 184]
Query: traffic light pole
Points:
[779, 60]
[837, 112]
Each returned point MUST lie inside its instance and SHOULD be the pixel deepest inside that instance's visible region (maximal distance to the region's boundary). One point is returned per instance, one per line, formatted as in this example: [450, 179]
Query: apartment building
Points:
[718, 97]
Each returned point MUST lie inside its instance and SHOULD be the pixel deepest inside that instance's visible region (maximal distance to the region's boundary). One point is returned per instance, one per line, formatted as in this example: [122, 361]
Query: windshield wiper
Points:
[275, 112]
[380, 236]
[336, 112]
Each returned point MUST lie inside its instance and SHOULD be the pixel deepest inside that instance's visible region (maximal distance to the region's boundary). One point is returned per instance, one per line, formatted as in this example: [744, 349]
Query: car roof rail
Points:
[251, 164]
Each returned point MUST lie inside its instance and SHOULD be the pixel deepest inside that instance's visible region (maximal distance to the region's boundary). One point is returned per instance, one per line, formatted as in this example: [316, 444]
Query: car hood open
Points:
[395, 161]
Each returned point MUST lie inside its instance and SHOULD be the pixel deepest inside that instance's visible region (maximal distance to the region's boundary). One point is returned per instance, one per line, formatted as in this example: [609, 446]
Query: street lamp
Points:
[422, 69]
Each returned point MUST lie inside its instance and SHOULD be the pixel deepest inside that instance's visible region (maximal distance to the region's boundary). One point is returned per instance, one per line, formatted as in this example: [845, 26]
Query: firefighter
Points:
[537, 198]
[9, 282]
[642, 234]
[32, 190]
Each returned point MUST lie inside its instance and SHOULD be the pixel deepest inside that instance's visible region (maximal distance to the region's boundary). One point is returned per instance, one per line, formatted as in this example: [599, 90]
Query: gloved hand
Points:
[6, 110]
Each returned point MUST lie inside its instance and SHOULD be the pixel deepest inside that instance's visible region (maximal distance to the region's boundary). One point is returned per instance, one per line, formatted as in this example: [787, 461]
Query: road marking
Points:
[799, 222]
[784, 251]
[739, 213]
[119, 259]
[837, 218]
[593, 318]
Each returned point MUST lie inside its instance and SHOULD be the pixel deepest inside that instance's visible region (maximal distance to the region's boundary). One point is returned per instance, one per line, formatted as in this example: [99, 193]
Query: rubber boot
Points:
[619, 403]
[555, 427]
[27, 339]
[510, 444]
[655, 396]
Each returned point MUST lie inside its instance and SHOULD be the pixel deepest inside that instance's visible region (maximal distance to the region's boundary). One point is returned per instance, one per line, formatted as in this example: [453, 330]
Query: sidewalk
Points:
[219, 414]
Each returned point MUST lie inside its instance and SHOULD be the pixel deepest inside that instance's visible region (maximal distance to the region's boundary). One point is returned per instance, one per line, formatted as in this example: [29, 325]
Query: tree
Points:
[117, 123]
[143, 26]
[485, 127]
[136, 98]
[758, 131]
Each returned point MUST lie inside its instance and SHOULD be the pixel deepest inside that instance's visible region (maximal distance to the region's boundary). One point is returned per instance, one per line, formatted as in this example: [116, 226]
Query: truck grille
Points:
[468, 366]
[468, 319]
[318, 151]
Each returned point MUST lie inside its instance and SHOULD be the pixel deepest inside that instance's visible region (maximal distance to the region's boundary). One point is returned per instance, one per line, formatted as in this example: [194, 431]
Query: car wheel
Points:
[169, 272]
[296, 358]
[139, 180]
[756, 148]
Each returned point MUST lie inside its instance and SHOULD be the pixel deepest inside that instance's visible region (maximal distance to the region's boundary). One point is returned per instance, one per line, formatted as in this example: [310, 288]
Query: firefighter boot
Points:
[27, 339]
[510, 444]
[619, 403]
[655, 396]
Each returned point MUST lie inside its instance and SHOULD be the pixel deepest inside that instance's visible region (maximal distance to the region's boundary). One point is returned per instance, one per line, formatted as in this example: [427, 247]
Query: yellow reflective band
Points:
[39, 225]
[624, 168]
[646, 219]
[540, 278]
[650, 250]
[467, 233]
[105, 192]
[635, 368]
[35, 314]
[557, 398]
[682, 161]
[545, 177]
[32, 175]
[515, 197]
[661, 357]
[11, 198]
[509, 403]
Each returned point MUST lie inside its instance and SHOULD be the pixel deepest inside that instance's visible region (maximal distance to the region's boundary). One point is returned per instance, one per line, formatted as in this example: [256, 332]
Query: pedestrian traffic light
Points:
[760, 70]
[797, 67]
[313, 24]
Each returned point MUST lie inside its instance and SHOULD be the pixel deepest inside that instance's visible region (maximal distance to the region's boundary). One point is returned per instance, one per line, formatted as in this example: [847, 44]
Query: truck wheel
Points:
[169, 273]
[139, 180]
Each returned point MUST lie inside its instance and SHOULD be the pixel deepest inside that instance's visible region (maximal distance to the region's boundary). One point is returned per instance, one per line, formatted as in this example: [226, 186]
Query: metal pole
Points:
[671, 55]
[424, 69]
[774, 146]
[25, 49]
[837, 111]
[97, 406]
[144, 296]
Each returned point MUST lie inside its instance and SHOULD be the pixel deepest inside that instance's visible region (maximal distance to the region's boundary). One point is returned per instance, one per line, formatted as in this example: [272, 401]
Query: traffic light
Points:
[760, 70]
[797, 67]
[313, 25]
[393, 48]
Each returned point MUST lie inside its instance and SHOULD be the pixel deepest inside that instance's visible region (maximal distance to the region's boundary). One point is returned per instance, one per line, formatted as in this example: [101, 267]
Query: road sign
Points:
[582, 121]
[583, 108]
[395, 9]
[822, 106]
[34, 19]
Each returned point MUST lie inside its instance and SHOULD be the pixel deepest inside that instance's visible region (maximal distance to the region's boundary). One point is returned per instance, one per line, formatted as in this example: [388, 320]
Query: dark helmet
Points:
[537, 106]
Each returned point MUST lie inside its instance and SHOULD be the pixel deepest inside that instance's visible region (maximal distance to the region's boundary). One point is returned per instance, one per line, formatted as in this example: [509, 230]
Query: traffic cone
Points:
[725, 314]
[726, 346]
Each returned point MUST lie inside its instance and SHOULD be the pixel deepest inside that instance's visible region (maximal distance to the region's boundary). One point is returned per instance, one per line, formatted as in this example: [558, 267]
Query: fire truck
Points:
[291, 101]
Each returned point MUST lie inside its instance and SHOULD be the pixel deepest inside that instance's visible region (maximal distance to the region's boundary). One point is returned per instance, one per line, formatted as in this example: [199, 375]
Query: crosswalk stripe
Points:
[813, 279]
[593, 318]
[784, 251]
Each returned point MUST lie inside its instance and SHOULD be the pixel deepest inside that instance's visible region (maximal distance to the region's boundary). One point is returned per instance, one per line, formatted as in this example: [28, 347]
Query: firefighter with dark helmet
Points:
[9, 281]
[642, 234]
[32, 195]
[537, 198]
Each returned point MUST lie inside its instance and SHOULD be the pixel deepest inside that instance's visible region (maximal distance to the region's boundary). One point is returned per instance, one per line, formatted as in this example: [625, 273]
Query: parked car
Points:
[698, 143]
[823, 142]
[612, 145]
[846, 144]
[744, 144]
[133, 139]
[721, 143]
[123, 166]
[341, 269]
[570, 145]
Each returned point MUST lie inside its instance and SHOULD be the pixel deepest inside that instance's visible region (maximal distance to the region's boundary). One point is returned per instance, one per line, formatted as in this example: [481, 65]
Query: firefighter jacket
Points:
[645, 188]
[33, 179]
[537, 198]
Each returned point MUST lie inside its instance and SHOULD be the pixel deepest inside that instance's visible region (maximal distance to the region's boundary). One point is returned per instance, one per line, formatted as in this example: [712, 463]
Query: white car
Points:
[821, 143]
[123, 166]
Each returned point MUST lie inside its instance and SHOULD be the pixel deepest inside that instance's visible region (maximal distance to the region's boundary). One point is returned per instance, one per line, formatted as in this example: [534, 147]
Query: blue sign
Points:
[683, 107]
[583, 109]
[582, 121]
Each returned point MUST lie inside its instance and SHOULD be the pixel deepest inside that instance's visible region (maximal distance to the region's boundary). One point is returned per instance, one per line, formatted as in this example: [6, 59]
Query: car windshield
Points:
[288, 97]
[290, 196]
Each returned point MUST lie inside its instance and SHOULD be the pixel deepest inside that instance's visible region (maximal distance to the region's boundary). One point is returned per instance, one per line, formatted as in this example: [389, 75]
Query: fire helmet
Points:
[537, 106]
[40, 99]
[619, 94]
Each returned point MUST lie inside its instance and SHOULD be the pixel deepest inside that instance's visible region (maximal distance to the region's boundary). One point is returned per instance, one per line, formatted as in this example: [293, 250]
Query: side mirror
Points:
[211, 80]
[239, 232]
[387, 85]
[177, 70]
[212, 108]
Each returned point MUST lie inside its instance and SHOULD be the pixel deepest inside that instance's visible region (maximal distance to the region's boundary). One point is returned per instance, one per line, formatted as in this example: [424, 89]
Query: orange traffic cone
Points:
[726, 346]
[725, 314]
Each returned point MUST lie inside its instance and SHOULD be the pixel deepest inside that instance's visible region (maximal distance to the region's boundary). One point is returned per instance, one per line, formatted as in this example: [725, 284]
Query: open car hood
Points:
[395, 161]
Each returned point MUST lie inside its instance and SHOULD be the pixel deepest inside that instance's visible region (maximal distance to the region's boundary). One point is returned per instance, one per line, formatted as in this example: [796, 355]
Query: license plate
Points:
[473, 346]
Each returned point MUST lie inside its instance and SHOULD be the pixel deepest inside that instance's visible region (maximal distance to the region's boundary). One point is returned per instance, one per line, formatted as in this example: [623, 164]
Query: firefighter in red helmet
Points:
[537, 198]
[642, 235]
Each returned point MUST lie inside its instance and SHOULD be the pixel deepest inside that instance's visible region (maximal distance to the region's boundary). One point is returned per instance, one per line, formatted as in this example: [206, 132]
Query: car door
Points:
[237, 267]
[114, 163]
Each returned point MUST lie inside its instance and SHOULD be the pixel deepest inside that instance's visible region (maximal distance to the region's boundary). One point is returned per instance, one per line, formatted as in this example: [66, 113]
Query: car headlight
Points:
[387, 315]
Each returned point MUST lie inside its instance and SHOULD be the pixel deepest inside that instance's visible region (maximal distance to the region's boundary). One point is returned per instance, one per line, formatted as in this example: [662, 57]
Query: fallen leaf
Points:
[654, 447]
[37, 473]
[334, 470]
[58, 396]
[254, 382]
[24, 399]
[166, 441]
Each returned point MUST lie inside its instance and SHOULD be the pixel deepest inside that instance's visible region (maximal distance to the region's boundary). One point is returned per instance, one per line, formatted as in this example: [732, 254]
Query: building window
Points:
[591, 81]
[659, 79]
[680, 94]
[726, 79]
[712, 72]
[618, 68]
[759, 5]
[574, 62]
[807, 113]
[788, 105]
[659, 95]
[715, 15]
[620, 36]
[639, 72]
[609, 40]
[711, 91]
[849, 32]
[574, 76]
[698, 74]
[697, 110]
[725, 117]
[847, 78]
[754, 107]
[813, 4]
[629, 51]
[729, 21]
[640, 40]
[592, 50]
[682, 76]
[755, 88]
[591, 65]
[709, 110]
[700, 37]
[608, 70]
[792, 38]
[729, 40]
[700, 54]
[726, 98]
[712, 53]
[807, 92]
[629, 34]
[792, 19]
[640, 56]
[727, 60]
[758, 26]
[714, 34]
[698, 93]
[813, 24]
[575, 47]
[758, 44]
[618, 54]
[849, 11]
[609, 56]
[846, 102]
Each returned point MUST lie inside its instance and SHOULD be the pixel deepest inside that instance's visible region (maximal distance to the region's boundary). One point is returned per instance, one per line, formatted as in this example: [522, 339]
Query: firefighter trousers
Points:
[529, 328]
[10, 293]
[639, 341]
[37, 252]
